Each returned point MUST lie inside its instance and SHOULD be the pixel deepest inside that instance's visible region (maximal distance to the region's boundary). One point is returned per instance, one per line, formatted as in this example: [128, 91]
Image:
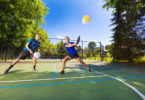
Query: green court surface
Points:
[21, 83]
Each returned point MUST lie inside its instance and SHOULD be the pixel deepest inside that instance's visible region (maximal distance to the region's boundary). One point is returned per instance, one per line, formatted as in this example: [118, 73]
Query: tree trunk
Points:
[130, 60]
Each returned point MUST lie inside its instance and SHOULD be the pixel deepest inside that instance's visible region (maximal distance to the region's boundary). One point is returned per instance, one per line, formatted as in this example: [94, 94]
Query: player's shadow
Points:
[76, 69]
[99, 68]
[116, 67]
[94, 67]
[20, 74]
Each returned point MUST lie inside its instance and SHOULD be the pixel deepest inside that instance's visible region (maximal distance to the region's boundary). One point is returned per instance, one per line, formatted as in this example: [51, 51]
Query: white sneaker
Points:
[34, 70]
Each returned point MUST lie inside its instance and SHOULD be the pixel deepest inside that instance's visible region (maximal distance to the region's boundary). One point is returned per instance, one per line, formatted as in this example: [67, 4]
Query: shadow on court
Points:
[21, 74]
[128, 68]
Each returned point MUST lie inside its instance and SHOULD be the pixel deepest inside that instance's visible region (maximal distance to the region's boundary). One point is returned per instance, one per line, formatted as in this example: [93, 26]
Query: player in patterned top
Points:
[32, 44]
[72, 54]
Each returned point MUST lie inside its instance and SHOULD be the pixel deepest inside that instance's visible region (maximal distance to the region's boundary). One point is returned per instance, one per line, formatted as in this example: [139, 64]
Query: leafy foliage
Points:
[127, 16]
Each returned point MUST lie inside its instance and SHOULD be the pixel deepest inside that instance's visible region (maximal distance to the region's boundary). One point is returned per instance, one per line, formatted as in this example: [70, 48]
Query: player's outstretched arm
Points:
[70, 45]
[80, 48]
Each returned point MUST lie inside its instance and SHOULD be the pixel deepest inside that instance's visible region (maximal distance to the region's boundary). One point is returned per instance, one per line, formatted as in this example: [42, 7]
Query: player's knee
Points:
[34, 58]
[64, 60]
[17, 59]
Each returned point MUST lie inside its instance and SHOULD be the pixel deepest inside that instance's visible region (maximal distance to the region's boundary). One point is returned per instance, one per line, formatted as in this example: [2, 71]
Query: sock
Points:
[10, 67]
[34, 67]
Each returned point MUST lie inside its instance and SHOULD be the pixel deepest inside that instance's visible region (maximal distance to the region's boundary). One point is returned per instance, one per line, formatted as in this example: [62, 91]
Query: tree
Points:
[108, 54]
[98, 51]
[86, 48]
[92, 47]
[87, 54]
[61, 48]
[127, 43]
[46, 47]
[107, 47]
[18, 19]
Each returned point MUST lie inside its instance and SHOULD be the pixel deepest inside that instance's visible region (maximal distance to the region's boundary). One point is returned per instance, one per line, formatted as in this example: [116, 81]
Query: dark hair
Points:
[67, 37]
[37, 34]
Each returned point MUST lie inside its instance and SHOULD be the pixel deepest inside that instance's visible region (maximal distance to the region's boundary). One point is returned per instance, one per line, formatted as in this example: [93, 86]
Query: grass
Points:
[93, 58]
[106, 59]
[110, 60]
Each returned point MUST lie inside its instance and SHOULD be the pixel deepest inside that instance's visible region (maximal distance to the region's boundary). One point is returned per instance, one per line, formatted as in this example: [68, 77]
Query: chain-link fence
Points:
[53, 49]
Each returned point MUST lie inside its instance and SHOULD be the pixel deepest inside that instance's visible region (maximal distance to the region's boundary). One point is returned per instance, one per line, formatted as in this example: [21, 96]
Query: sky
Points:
[65, 19]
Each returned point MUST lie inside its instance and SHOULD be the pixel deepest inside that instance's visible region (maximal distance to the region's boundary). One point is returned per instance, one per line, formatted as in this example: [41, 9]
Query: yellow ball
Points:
[86, 18]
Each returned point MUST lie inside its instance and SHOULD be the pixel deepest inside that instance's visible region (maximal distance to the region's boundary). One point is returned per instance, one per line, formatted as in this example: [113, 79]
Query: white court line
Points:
[20, 68]
[17, 68]
[138, 92]
[51, 79]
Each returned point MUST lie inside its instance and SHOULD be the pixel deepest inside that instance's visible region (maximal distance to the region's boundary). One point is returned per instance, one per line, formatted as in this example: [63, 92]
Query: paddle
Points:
[78, 40]
[37, 55]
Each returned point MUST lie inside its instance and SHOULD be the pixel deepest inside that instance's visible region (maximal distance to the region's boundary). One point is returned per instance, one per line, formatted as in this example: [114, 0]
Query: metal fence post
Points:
[100, 52]
[82, 51]
[61, 49]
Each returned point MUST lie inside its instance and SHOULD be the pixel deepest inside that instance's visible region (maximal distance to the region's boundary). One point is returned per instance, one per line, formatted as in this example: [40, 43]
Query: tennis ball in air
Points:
[86, 19]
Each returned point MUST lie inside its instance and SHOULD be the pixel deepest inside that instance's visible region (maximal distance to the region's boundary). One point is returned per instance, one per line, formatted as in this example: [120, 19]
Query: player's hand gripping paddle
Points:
[78, 40]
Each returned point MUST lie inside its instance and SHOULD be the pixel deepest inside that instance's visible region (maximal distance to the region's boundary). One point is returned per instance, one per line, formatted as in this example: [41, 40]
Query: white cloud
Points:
[60, 37]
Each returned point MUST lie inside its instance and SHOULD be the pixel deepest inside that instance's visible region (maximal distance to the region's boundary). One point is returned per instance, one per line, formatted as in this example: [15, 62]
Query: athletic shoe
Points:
[6, 71]
[34, 70]
[89, 70]
[61, 73]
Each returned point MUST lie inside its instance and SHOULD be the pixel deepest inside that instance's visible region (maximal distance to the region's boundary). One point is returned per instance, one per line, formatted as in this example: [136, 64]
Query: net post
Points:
[100, 50]
[61, 49]
[82, 51]
[101, 53]
[95, 52]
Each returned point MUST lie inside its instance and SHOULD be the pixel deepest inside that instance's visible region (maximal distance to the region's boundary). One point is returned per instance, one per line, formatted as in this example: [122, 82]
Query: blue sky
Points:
[65, 19]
